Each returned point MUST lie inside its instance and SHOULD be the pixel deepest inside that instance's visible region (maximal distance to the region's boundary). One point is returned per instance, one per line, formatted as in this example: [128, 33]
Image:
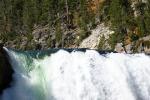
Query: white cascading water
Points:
[80, 76]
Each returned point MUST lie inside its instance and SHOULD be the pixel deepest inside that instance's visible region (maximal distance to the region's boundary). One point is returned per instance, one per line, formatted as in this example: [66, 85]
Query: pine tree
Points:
[143, 19]
[147, 18]
[120, 13]
[37, 6]
[58, 34]
[28, 16]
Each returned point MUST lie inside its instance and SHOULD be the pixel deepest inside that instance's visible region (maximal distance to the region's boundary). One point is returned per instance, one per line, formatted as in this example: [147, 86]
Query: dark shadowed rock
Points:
[5, 70]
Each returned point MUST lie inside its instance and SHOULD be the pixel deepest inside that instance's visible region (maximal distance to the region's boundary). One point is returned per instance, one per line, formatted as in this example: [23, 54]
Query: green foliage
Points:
[102, 41]
[28, 16]
[122, 19]
[83, 34]
[119, 13]
[141, 26]
[112, 40]
[143, 20]
[29, 37]
[20, 16]
[9, 36]
[84, 29]
[58, 33]
[49, 42]
[147, 23]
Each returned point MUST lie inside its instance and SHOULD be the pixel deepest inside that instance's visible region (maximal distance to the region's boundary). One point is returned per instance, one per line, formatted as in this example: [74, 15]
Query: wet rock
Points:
[5, 70]
[38, 47]
[119, 48]
[140, 46]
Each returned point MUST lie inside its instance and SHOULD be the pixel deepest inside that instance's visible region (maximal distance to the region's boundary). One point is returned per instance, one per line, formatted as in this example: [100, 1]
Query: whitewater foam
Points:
[79, 76]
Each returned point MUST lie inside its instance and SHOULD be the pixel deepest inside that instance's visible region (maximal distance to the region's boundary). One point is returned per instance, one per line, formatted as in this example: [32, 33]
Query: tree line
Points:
[21, 16]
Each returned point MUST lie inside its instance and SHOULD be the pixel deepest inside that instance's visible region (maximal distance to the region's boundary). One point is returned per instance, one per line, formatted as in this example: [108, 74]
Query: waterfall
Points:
[78, 75]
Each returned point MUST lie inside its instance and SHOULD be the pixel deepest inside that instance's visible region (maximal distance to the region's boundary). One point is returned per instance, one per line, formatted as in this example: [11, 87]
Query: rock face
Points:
[93, 40]
[5, 70]
[42, 37]
[140, 46]
[119, 48]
